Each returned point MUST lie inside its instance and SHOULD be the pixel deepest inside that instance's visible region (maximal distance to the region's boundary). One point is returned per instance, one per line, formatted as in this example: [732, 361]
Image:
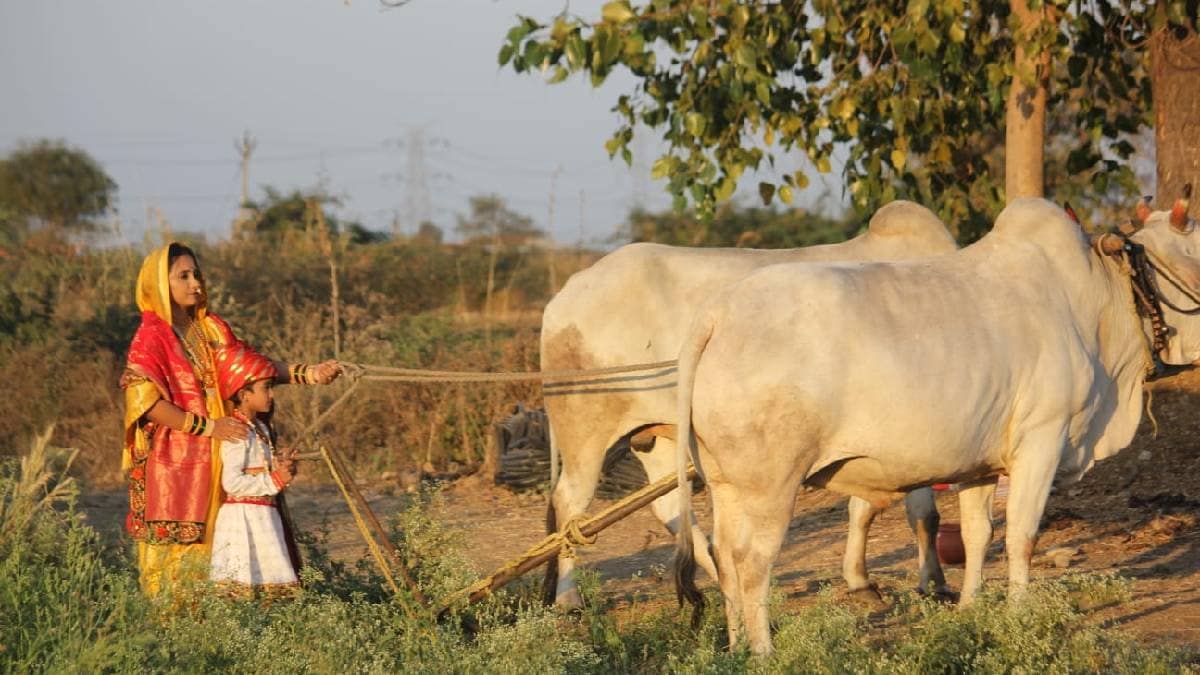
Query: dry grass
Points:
[67, 317]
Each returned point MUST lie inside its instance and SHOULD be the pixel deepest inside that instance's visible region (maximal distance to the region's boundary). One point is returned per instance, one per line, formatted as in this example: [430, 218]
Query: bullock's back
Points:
[937, 352]
[634, 303]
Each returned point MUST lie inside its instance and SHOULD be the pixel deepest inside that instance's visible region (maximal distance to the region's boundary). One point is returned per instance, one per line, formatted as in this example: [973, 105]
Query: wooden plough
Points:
[387, 557]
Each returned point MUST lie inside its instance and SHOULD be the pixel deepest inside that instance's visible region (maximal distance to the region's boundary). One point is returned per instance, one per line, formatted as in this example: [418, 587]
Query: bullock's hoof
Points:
[568, 599]
[870, 596]
[942, 594]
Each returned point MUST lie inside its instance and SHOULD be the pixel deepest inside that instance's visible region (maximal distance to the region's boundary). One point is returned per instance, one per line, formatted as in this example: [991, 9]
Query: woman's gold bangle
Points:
[197, 425]
[299, 374]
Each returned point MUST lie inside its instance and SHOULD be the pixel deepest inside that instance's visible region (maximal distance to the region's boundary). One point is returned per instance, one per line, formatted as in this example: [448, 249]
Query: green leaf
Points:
[518, 31]
[785, 194]
[823, 164]
[745, 56]
[617, 11]
[560, 29]
[725, 188]
[695, 123]
[576, 52]
[766, 191]
[844, 107]
[506, 53]
[661, 168]
[898, 158]
[559, 75]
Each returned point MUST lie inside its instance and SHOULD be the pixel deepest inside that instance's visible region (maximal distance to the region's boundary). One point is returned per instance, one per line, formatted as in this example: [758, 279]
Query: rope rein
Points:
[359, 371]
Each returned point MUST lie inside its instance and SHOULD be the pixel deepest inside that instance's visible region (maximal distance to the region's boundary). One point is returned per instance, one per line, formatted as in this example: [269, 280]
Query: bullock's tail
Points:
[685, 450]
[550, 582]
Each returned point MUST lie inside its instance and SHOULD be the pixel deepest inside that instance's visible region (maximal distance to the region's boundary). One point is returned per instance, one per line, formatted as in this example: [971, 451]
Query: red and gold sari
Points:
[174, 477]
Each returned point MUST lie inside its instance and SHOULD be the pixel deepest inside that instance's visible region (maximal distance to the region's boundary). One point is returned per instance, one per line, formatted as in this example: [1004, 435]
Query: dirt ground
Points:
[1136, 514]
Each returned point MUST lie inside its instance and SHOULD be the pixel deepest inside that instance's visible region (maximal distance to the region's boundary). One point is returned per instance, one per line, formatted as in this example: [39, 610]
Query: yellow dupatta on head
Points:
[161, 562]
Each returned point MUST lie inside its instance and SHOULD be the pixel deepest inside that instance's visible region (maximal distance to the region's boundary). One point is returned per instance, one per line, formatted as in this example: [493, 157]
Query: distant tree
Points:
[492, 221]
[735, 225]
[279, 212]
[49, 184]
[428, 233]
[360, 234]
[493, 224]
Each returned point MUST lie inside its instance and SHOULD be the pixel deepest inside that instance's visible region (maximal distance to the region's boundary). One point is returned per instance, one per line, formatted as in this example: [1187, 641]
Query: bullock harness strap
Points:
[1146, 296]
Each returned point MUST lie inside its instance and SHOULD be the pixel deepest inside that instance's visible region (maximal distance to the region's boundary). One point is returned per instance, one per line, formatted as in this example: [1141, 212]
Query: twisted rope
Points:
[574, 533]
[360, 371]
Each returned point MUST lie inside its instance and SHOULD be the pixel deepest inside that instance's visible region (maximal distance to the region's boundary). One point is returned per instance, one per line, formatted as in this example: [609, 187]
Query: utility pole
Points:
[416, 184]
[579, 242]
[245, 148]
[552, 276]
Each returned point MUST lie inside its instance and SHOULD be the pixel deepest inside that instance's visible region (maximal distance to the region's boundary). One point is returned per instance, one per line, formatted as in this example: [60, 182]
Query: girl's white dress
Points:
[249, 545]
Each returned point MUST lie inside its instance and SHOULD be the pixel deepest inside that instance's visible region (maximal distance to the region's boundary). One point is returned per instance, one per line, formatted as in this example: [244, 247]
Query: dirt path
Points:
[1137, 514]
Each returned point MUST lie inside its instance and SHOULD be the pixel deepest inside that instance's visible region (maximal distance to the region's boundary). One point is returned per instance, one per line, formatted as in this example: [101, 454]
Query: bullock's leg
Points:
[1030, 475]
[729, 535]
[975, 506]
[767, 514]
[581, 459]
[659, 462]
[854, 562]
[923, 519]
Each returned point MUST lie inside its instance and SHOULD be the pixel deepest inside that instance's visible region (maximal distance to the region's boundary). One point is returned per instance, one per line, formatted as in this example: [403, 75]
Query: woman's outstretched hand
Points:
[230, 429]
[325, 372]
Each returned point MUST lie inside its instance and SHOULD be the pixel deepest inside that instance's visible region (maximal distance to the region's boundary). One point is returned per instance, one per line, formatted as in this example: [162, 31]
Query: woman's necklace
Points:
[198, 352]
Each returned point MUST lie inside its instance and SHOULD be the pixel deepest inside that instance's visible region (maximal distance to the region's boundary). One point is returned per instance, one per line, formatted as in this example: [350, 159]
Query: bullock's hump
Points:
[903, 218]
[1041, 222]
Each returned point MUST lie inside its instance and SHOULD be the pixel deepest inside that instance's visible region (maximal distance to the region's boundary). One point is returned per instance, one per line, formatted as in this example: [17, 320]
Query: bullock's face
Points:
[1174, 240]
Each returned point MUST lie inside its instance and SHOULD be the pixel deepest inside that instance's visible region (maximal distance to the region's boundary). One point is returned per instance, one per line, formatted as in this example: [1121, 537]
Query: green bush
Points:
[70, 604]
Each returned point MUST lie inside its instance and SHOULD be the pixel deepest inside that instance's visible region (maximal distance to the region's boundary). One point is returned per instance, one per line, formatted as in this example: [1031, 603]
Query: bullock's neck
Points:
[1123, 353]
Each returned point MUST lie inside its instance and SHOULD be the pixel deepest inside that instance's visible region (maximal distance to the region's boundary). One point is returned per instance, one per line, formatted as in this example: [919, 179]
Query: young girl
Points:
[250, 545]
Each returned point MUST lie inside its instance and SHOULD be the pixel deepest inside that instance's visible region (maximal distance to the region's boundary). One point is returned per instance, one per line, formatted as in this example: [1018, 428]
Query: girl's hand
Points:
[287, 467]
[285, 462]
[326, 372]
[230, 429]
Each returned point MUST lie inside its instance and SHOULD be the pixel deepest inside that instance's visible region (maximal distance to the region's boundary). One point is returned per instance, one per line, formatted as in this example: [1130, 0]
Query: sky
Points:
[402, 113]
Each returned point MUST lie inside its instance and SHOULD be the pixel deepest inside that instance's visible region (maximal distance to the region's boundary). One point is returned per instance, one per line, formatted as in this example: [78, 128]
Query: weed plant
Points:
[68, 603]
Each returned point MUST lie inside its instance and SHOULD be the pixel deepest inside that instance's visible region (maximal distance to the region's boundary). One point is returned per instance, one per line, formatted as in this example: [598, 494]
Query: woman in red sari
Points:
[175, 419]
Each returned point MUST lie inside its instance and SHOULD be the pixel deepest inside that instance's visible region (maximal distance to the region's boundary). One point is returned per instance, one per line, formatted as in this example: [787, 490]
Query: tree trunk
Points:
[1025, 116]
[1175, 81]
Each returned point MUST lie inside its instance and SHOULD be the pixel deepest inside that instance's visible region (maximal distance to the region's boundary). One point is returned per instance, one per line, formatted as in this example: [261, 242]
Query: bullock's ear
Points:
[1179, 217]
[1071, 213]
[1142, 212]
[1127, 228]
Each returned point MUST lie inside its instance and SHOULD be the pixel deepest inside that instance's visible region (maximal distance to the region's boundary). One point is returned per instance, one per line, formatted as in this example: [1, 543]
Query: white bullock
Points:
[1022, 354]
[632, 307]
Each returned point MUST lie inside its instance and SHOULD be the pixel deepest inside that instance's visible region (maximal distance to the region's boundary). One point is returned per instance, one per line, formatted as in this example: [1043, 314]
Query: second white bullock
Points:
[633, 307]
[1023, 354]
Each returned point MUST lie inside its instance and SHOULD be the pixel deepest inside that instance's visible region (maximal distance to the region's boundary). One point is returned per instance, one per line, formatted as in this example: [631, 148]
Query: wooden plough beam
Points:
[549, 547]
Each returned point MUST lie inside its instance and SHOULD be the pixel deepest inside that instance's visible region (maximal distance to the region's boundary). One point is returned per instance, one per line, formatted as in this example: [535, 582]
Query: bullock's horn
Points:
[1179, 219]
[1142, 212]
[1108, 243]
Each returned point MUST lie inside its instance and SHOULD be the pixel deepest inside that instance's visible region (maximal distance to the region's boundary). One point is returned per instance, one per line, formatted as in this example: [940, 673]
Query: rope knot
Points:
[571, 536]
[352, 371]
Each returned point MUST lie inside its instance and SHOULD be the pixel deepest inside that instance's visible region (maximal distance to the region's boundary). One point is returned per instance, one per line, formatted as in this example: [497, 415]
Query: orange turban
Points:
[238, 365]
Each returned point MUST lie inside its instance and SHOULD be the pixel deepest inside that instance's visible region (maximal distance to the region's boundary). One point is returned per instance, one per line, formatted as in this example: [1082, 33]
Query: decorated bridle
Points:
[1138, 263]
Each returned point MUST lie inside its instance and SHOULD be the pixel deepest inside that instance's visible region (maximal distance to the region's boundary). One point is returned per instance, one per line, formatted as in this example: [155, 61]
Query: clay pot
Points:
[950, 544]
